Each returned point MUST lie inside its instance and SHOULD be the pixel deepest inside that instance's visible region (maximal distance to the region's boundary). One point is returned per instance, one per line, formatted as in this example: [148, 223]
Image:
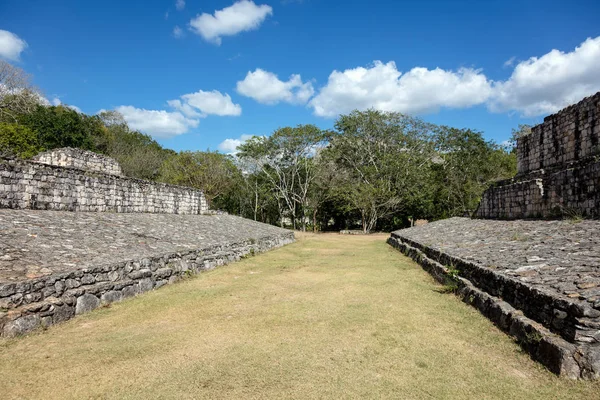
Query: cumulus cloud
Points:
[213, 102]
[11, 46]
[242, 16]
[185, 109]
[544, 85]
[186, 113]
[383, 87]
[265, 87]
[538, 86]
[157, 123]
[180, 5]
[230, 145]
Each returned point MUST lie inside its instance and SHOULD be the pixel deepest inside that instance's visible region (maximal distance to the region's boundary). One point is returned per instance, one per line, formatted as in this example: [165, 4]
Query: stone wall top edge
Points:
[81, 171]
[474, 264]
[118, 264]
[539, 128]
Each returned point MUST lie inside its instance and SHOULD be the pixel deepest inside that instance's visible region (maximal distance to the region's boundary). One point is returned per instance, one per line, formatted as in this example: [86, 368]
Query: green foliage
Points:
[139, 155]
[213, 172]
[286, 160]
[464, 166]
[383, 161]
[18, 140]
[58, 126]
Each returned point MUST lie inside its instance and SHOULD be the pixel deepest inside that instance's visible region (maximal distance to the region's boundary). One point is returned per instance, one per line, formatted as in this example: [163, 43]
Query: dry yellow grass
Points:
[328, 317]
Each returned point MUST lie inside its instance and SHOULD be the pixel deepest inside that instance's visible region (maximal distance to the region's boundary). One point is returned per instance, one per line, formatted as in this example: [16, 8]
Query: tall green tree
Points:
[465, 166]
[383, 160]
[212, 172]
[286, 160]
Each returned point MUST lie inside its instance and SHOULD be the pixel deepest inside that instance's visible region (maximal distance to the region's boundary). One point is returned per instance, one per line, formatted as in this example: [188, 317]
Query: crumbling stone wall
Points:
[41, 302]
[32, 185]
[558, 169]
[82, 159]
[570, 135]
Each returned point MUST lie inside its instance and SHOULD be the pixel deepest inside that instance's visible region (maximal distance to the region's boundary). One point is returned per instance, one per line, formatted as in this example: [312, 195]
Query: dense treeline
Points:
[375, 170]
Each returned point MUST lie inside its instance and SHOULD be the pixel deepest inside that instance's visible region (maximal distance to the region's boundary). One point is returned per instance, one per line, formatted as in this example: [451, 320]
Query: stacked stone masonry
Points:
[558, 169]
[56, 265]
[33, 185]
[537, 280]
[81, 159]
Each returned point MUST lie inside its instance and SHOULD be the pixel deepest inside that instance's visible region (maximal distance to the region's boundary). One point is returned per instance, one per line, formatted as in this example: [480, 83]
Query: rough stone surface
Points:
[81, 159]
[33, 185]
[537, 280]
[558, 169]
[54, 265]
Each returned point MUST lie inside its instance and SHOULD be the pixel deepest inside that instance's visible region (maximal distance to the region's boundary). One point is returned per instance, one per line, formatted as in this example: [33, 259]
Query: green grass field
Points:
[327, 317]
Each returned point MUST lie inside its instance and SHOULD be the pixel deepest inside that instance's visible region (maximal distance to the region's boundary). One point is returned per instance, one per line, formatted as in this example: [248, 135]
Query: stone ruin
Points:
[558, 169]
[529, 260]
[77, 180]
[75, 235]
[81, 159]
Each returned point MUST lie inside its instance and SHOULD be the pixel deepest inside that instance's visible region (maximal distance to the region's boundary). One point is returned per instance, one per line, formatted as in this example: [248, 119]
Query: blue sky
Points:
[200, 74]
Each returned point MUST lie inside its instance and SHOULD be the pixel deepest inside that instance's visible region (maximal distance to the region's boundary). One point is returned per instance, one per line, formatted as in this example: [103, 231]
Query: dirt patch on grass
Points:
[331, 316]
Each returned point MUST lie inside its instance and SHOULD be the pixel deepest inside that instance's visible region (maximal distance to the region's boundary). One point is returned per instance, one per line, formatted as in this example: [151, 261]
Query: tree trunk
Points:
[255, 203]
[315, 220]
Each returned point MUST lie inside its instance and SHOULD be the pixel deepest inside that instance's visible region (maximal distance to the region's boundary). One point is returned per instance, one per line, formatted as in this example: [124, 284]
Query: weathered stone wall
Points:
[32, 185]
[30, 304]
[571, 192]
[571, 135]
[558, 169]
[82, 159]
[537, 280]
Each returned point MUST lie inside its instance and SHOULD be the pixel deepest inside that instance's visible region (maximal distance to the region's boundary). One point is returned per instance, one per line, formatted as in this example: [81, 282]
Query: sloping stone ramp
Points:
[55, 265]
[539, 281]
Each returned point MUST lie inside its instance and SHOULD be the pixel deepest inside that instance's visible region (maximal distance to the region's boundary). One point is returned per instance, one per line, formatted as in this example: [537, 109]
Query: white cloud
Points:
[157, 123]
[242, 16]
[11, 46]
[510, 62]
[544, 85]
[230, 145]
[180, 5]
[265, 87]
[213, 102]
[383, 87]
[185, 109]
[177, 32]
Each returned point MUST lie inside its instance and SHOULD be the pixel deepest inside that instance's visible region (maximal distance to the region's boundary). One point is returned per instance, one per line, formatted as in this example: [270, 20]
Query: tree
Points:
[286, 160]
[212, 172]
[465, 165]
[60, 126]
[383, 158]
[17, 95]
[139, 155]
[17, 140]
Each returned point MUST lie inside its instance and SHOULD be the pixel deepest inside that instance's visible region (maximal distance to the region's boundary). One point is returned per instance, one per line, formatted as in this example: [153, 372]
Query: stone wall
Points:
[81, 159]
[571, 135]
[32, 185]
[558, 169]
[571, 192]
[41, 302]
